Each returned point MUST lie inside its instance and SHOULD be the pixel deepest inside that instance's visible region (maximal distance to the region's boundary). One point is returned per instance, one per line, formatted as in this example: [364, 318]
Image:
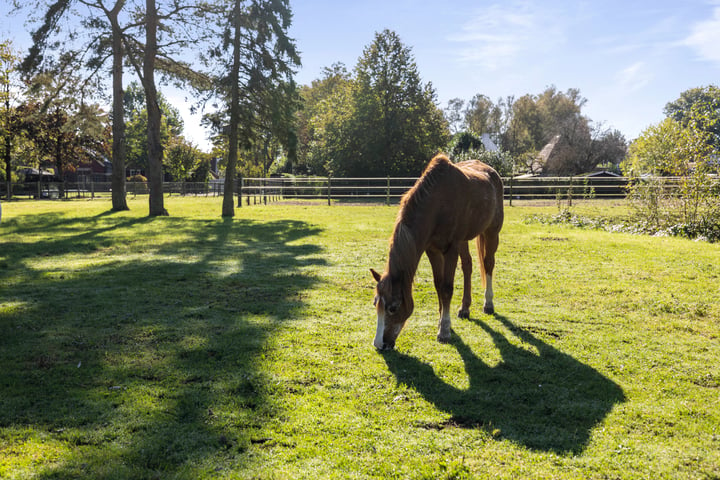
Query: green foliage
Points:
[62, 128]
[136, 132]
[523, 126]
[381, 121]
[182, 159]
[463, 142]
[466, 146]
[8, 125]
[327, 109]
[484, 116]
[688, 203]
[698, 108]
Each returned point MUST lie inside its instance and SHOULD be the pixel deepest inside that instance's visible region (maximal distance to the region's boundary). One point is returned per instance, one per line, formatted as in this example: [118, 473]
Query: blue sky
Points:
[628, 58]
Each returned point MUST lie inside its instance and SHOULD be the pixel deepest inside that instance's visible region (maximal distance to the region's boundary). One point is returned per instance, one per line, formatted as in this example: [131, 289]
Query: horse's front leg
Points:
[466, 263]
[443, 266]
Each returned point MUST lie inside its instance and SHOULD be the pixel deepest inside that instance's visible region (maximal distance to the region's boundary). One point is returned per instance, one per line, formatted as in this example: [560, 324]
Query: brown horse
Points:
[448, 206]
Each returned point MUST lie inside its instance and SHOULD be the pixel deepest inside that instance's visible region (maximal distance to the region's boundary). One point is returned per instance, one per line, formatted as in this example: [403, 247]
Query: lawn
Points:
[195, 347]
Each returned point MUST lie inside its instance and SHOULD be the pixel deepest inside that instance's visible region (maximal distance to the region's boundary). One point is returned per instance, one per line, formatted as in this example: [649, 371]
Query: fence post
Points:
[570, 192]
[511, 189]
[240, 189]
[387, 192]
[329, 190]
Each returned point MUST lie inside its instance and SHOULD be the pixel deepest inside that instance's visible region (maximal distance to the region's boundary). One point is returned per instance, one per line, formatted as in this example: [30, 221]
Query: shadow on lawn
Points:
[149, 367]
[545, 400]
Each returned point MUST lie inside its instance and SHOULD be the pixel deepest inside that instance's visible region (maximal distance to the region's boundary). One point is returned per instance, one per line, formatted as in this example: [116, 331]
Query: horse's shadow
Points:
[537, 395]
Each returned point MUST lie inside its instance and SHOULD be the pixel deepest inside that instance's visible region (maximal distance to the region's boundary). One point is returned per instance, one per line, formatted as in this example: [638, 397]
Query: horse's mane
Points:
[403, 258]
[415, 197]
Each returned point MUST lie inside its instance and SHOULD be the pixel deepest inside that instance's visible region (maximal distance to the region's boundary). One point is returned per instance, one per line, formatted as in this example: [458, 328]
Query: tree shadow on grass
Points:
[150, 367]
[538, 397]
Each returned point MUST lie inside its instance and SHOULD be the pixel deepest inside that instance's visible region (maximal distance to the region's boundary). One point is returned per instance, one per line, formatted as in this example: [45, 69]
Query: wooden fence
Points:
[390, 189]
[252, 191]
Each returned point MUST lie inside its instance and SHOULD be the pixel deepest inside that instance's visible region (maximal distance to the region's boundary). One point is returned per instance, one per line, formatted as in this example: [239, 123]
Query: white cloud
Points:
[498, 35]
[705, 38]
[634, 77]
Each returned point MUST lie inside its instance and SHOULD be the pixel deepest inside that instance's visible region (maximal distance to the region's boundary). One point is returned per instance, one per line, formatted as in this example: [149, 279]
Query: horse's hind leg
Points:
[466, 262]
[487, 245]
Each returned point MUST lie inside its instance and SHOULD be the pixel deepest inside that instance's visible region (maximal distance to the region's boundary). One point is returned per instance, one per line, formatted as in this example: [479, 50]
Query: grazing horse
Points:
[448, 206]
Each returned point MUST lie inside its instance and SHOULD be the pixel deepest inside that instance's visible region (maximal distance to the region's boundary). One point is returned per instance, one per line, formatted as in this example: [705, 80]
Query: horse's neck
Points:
[405, 252]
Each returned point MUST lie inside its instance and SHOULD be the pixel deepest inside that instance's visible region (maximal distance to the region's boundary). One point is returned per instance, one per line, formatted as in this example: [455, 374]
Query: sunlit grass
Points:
[197, 347]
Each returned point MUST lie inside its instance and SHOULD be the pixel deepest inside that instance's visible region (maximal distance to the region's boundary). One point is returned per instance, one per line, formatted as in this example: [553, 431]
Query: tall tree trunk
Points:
[59, 166]
[8, 166]
[228, 208]
[154, 145]
[8, 144]
[119, 197]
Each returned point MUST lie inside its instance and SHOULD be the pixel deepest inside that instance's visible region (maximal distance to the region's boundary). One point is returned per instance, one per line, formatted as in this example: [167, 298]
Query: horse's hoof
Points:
[464, 313]
[488, 310]
[443, 338]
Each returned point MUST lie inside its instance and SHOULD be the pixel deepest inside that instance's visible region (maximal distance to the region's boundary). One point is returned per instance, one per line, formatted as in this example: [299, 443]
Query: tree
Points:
[607, 147]
[525, 133]
[182, 158]
[9, 60]
[484, 116]
[671, 149]
[154, 115]
[106, 40]
[395, 126]
[136, 121]
[700, 108]
[262, 56]
[119, 201]
[326, 108]
[61, 124]
[454, 115]
[537, 119]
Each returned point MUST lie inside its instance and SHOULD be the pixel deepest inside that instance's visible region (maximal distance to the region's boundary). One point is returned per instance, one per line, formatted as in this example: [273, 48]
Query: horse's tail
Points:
[480, 242]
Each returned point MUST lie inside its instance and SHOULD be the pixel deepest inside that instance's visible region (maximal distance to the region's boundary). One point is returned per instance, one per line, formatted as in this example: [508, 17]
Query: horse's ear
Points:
[375, 275]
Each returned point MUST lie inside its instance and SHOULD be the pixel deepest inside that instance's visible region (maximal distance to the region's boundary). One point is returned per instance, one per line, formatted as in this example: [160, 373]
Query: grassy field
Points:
[192, 347]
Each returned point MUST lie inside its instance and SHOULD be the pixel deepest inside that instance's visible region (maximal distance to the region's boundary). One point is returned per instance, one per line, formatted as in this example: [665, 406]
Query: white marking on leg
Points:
[488, 292]
[378, 342]
[444, 326]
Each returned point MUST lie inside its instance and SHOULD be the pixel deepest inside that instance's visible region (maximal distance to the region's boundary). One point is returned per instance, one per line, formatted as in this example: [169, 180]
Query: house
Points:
[94, 170]
[488, 143]
[546, 159]
[602, 174]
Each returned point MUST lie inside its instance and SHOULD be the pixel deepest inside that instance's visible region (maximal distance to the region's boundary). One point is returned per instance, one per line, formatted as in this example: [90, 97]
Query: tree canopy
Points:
[381, 120]
[698, 108]
[522, 127]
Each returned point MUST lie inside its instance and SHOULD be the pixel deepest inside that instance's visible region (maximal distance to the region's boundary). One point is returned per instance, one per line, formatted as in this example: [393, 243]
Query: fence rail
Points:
[378, 190]
[390, 189]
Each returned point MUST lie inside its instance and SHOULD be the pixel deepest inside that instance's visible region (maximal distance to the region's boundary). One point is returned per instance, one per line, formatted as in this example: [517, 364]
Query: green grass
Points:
[192, 347]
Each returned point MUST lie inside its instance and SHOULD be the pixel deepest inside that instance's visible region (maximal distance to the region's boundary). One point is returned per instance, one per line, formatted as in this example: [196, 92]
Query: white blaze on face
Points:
[378, 342]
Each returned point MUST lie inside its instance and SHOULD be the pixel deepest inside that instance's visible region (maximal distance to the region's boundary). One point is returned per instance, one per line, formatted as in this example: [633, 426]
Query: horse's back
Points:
[475, 170]
[484, 193]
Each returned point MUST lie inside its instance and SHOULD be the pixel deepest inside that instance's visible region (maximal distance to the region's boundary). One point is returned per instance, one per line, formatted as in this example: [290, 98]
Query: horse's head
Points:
[394, 304]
